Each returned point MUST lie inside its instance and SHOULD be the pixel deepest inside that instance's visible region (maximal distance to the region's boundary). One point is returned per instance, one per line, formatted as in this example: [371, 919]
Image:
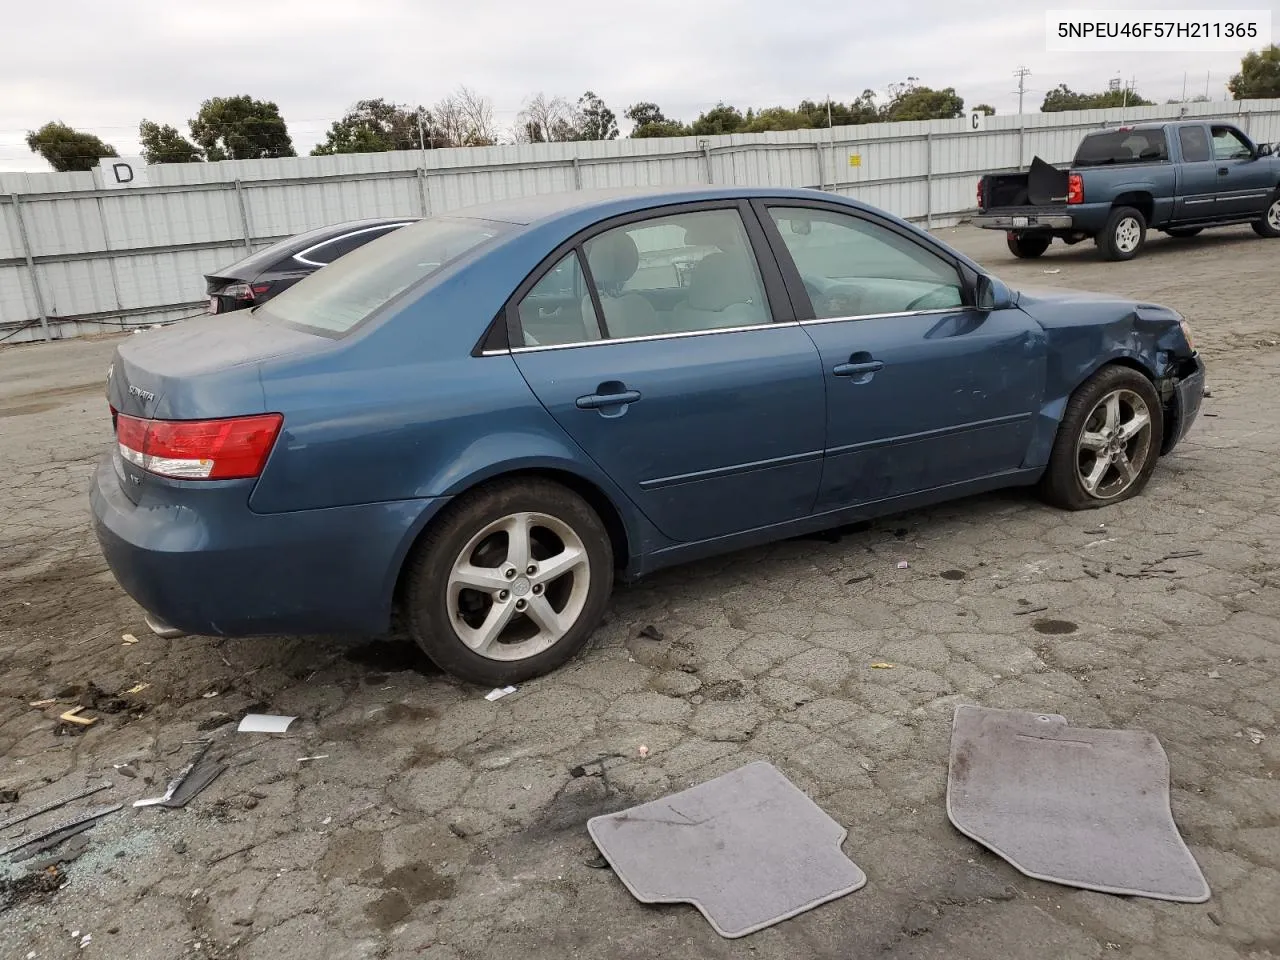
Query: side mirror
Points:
[1265, 150]
[991, 294]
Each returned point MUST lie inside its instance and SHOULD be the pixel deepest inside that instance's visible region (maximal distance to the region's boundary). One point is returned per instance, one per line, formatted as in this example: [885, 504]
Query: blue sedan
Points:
[485, 418]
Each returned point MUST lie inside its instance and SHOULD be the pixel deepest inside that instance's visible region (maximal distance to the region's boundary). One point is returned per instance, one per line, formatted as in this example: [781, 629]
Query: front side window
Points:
[1228, 144]
[855, 268]
[348, 291]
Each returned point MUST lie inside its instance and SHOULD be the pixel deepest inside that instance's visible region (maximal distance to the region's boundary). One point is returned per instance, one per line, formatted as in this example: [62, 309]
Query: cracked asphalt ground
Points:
[435, 823]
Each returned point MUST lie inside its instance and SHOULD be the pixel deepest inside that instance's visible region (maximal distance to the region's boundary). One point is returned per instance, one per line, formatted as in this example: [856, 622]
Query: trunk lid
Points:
[196, 370]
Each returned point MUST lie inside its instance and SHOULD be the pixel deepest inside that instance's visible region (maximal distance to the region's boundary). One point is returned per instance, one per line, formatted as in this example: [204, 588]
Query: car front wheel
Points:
[1108, 442]
[510, 582]
[1269, 225]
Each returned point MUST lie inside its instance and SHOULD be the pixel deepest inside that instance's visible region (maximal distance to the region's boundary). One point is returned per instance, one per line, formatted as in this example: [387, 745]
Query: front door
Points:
[1245, 185]
[923, 391]
[672, 374]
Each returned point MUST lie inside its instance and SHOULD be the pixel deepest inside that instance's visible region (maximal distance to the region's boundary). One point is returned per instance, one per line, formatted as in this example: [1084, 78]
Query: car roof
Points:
[260, 260]
[620, 200]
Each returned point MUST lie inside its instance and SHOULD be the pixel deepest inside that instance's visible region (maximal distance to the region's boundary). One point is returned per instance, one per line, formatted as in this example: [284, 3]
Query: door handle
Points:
[858, 369]
[594, 401]
[1223, 171]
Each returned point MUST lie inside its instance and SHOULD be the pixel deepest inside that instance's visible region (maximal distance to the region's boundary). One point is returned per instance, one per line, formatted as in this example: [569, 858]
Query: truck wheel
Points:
[1124, 234]
[1108, 441]
[1269, 225]
[1183, 233]
[1026, 247]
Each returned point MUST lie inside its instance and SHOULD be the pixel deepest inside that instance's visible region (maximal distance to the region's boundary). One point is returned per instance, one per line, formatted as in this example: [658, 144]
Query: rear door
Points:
[923, 391]
[681, 370]
[1198, 188]
[1244, 184]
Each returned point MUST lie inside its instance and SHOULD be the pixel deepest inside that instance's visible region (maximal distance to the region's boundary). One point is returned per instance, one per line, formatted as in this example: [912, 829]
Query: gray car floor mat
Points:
[748, 849]
[1084, 808]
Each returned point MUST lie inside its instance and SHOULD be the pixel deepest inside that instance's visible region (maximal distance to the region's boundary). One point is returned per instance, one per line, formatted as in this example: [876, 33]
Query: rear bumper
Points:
[1184, 406]
[1020, 221]
[196, 557]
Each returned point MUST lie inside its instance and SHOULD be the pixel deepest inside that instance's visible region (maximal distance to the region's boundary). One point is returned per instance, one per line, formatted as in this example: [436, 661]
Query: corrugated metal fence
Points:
[75, 258]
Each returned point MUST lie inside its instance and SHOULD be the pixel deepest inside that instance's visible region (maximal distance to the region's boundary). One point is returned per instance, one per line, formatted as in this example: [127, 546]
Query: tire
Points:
[1124, 234]
[1269, 224]
[1183, 233]
[1026, 247]
[1084, 425]
[442, 618]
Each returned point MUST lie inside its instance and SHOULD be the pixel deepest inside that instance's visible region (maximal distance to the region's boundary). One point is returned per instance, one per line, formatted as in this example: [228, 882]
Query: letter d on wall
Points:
[117, 172]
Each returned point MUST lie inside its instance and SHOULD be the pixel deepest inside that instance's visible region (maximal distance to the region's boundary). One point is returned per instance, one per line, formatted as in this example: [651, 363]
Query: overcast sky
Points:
[103, 66]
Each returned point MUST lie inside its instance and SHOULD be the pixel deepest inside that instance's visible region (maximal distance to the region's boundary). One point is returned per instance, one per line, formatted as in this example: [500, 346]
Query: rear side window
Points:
[1195, 144]
[1121, 146]
[344, 294]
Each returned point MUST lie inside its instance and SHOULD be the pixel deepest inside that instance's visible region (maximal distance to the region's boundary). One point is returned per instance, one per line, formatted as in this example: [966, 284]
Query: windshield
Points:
[334, 300]
[1121, 146]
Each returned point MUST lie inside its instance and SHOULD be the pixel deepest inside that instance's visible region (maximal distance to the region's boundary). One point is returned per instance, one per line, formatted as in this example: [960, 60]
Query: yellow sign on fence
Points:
[855, 159]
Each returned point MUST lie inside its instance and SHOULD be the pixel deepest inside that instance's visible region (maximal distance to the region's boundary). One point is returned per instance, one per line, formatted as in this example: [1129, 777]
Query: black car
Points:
[264, 273]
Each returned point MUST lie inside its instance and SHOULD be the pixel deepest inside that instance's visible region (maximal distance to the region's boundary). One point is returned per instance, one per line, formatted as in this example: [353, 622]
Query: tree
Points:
[650, 122]
[162, 143]
[858, 111]
[241, 128]
[777, 118]
[986, 108]
[719, 119]
[910, 102]
[376, 126]
[595, 120]
[465, 119]
[1259, 76]
[65, 148]
[546, 119]
[1063, 97]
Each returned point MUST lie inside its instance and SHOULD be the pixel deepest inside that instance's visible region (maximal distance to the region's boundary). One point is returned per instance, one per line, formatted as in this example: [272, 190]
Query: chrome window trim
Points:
[300, 256]
[704, 333]
[961, 308]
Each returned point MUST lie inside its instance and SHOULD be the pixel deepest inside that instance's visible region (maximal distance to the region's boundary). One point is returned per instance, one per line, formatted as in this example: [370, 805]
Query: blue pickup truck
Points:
[1178, 178]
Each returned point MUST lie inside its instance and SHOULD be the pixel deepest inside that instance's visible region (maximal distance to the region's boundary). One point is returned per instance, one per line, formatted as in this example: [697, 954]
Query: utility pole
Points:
[1021, 73]
[1207, 75]
[1184, 86]
[422, 139]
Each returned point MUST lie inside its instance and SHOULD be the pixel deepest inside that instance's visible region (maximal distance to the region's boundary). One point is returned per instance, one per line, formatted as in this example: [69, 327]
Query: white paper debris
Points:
[903, 565]
[264, 723]
[129, 638]
[499, 693]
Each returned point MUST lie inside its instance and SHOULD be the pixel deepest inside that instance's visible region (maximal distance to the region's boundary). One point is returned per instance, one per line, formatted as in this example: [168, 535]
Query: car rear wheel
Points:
[1027, 247]
[1269, 225]
[1182, 233]
[510, 582]
[1123, 235]
[1108, 442]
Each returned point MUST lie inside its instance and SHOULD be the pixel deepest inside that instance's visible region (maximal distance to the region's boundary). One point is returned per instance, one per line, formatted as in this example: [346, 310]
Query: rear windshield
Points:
[346, 292]
[1121, 146]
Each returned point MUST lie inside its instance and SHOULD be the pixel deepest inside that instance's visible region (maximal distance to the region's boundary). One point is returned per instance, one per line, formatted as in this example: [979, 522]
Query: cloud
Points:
[105, 66]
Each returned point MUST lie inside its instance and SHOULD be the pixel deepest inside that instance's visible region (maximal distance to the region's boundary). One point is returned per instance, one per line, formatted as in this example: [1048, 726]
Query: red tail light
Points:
[979, 194]
[1075, 188]
[232, 449]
